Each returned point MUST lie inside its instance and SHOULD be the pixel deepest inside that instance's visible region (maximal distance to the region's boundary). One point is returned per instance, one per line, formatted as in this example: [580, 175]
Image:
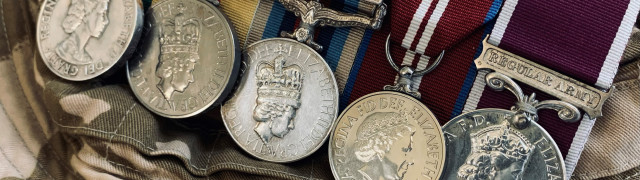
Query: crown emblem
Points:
[279, 83]
[180, 35]
[500, 138]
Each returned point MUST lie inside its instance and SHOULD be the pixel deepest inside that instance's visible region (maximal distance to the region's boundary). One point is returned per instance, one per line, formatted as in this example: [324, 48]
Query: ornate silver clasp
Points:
[527, 106]
[312, 13]
[406, 74]
[565, 88]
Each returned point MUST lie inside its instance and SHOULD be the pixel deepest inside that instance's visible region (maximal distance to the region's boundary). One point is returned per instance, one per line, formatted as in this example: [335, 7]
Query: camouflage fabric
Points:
[56, 129]
[613, 148]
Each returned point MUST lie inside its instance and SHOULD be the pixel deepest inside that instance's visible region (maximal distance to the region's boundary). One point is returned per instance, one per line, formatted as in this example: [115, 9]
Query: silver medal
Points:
[287, 100]
[82, 39]
[188, 60]
[505, 144]
[388, 134]
[509, 144]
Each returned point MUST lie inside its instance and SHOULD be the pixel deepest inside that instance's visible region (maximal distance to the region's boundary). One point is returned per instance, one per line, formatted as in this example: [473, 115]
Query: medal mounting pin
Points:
[312, 14]
[407, 73]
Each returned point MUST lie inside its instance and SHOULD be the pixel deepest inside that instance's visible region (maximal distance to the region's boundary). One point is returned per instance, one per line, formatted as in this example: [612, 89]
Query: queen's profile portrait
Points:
[279, 91]
[85, 19]
[179, 42]
[379, 135]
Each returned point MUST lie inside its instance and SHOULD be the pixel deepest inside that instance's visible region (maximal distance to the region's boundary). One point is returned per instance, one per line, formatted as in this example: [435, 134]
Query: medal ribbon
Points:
[420, 30]
[356, 55]
[584, 41]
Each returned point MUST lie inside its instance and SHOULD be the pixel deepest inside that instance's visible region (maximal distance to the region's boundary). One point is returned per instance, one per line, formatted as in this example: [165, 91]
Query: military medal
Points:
[188, 61]
[505, 144]
[287, 100]
[511, 143]
[83, 39]
[388, 134]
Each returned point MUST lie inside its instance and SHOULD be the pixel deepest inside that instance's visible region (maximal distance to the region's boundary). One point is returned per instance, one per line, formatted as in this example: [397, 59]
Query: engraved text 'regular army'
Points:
[286, 103]
[82, 39]
[387, 135]
[188, 59]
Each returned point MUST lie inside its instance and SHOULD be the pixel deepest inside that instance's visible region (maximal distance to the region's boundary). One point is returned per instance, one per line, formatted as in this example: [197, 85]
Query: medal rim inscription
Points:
[133, 39]
[443, 147]
[230, 81]
[223, 110]
[539, 128]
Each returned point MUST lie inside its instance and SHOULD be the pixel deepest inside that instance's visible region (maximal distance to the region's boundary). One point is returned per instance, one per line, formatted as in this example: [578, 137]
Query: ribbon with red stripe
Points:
[584, 41]
[420, 30]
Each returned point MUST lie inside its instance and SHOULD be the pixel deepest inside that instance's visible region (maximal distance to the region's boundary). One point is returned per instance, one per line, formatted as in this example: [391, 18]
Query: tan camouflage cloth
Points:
[613, 148]
[56, 129]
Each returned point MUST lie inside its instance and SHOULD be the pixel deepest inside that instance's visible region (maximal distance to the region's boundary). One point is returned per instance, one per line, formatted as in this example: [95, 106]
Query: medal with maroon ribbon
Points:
[391, 134]
[567, 50]
[384, 134]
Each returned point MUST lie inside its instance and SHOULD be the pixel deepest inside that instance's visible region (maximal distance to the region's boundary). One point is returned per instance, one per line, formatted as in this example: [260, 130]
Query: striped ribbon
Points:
[357, 57]
[426, 27]
[582, 40]
[422, 29]
[419, 30]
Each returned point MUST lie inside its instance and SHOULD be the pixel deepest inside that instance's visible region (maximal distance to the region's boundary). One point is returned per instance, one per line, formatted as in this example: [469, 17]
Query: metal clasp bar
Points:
[565, 88]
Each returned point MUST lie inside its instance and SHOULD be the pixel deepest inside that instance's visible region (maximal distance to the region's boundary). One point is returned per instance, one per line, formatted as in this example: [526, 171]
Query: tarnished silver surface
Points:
[188, 61]
[387, 135]
[505, 144]
[407, 73]
[544, 79]
[312, 14]
[82, 39]
[286, 103]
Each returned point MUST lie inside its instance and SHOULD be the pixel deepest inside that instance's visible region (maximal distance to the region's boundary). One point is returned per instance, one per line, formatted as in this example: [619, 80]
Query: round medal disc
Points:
[286, 103]
[188, 59]
[83, 39]
[484, 144]
[387, 135]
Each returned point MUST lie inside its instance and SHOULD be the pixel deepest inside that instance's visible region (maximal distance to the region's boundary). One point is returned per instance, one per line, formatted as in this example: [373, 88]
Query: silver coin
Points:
[188, 60]
[484, 144]
[83, 39]
[286, 103]
[387, 135]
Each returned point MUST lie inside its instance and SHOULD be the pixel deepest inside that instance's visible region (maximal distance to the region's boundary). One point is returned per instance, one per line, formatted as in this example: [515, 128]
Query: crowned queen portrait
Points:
[85, 19]
[497, 152]
[279, 90]
[179, 41]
